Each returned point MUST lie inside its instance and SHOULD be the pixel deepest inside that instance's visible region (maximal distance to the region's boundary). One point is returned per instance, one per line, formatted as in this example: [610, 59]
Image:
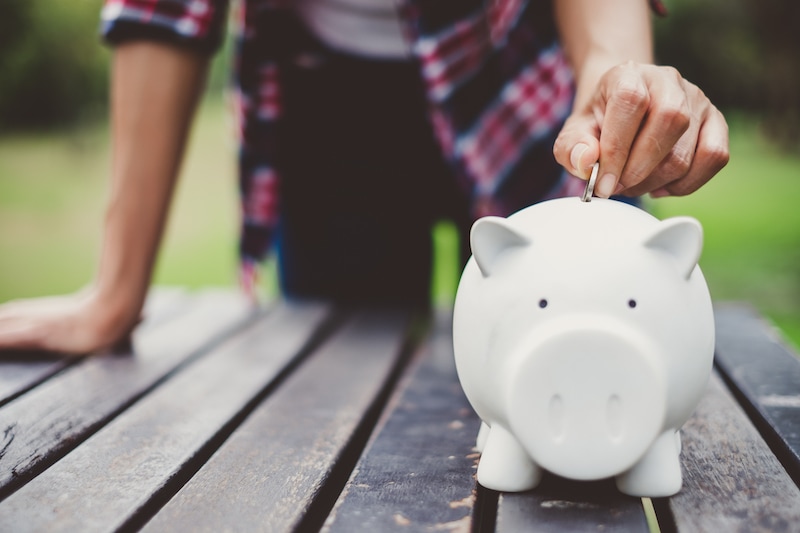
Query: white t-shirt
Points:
[368, 28]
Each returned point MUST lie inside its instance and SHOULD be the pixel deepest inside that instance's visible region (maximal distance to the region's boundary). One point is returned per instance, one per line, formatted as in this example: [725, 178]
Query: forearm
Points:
[154, 91]
[597, 36]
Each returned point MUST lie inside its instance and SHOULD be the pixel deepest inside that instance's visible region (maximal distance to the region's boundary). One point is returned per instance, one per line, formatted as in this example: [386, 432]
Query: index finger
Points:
[626, 102]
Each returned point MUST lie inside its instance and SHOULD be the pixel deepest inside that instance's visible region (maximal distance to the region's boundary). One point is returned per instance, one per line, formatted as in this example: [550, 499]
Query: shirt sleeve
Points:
[197, 24]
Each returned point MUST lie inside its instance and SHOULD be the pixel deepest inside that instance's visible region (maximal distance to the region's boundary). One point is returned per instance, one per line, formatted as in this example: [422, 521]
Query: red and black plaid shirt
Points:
[498, 85]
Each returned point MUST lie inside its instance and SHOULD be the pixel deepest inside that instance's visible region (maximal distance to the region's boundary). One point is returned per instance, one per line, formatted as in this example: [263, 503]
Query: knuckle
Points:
[559, 143]
[631, 94]
[614, 148]
[559, 147]
[676, 164]
[717, 156]
[627, 68]
[673, 73]
[675, 115]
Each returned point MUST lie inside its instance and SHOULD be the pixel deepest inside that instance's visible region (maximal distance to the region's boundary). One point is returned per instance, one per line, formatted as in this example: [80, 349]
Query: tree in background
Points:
[52, 71]
[745, 55]
[777, 23]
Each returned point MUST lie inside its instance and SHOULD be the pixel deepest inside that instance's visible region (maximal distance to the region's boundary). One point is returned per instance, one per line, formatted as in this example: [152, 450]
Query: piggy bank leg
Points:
[483, 434]
[505, 465]
[658, 473]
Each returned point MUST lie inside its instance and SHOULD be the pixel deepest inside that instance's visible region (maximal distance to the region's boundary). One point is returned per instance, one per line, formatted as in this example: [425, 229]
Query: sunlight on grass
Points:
[446, 268]
[200, 244]
[52, 194]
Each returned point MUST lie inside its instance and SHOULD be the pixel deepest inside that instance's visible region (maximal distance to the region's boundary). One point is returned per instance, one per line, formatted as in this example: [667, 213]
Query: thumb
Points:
[577, 148]
[582, 157]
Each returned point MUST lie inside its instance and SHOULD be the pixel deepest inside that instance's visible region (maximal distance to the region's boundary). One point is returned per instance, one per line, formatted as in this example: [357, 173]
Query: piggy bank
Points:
[584, 338]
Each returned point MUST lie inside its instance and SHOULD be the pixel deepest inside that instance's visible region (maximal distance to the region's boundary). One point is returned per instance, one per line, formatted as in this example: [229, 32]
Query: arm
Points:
[651, 130]
[154, 91]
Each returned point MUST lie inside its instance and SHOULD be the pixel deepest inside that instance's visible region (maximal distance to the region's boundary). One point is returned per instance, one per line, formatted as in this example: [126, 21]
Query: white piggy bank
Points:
[584, 339]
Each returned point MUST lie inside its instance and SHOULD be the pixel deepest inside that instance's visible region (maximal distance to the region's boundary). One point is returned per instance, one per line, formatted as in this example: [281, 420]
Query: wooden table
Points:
[305, 417]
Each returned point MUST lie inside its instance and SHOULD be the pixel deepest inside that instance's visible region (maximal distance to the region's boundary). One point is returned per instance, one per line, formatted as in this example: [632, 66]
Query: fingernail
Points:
[605, 185]
[575, 157]
[659, 193]
[619, 188]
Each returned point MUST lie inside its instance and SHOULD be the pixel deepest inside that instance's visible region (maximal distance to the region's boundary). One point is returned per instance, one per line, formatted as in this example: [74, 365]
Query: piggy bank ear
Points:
[681, 238]
[489, 238]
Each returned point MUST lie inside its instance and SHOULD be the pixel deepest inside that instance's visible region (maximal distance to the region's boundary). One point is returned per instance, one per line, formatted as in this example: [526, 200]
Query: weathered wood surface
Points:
[158, 442]
[731, 479]
[417, 473]
[765, 375]
[44, 424]
[282, 469]
[558, 505]
[20, 372]
[297, 419]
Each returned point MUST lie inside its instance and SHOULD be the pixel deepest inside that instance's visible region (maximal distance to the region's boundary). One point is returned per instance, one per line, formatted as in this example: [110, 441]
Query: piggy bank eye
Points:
[631, 303]
[542, 303]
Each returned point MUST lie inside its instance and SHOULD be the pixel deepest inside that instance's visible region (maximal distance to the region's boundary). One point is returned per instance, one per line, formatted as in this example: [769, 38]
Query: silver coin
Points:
[589, 190]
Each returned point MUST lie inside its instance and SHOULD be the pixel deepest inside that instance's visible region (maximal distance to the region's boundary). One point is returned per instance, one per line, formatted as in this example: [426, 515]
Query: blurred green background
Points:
[54, 156]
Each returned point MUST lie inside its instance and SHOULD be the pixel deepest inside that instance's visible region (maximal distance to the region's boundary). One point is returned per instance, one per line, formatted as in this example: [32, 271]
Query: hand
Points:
[652, 131]
[74, 324]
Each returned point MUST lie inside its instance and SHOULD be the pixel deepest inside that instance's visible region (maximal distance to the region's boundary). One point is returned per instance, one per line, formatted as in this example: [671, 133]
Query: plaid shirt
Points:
[498, 86]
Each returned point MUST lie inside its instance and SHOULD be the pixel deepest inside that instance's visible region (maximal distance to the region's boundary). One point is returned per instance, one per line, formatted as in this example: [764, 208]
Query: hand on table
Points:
[73, 324]
[652, 131]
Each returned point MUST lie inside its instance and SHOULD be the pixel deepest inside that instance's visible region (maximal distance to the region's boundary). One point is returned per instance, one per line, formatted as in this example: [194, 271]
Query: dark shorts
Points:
[363, 182]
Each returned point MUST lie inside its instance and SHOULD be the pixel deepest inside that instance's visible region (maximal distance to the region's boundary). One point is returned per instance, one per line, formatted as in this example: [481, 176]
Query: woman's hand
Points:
[652, 131]
[73, 324]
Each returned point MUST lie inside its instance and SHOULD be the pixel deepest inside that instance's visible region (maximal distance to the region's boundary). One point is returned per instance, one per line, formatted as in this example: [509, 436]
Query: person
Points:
[362, 122]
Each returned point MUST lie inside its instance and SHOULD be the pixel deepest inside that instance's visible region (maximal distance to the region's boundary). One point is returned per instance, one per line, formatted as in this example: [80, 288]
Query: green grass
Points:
[52, 189]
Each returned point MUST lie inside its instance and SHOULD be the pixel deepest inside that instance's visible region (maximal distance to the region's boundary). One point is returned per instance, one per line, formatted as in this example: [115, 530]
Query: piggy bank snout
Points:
[587, 404]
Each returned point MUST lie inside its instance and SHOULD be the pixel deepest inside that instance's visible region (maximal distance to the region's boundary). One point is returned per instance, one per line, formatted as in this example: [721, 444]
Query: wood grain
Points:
[765, 377]
[559, 505]
[44, 424]
[277, 471]
[417, 473]
[732, 481]
[113, 476]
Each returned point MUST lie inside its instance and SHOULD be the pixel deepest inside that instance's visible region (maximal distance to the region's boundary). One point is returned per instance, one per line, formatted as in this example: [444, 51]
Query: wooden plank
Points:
[765, 377]
[283, 468]
[47, 422]
[108, 481]
[558, 505]
[21, 371]
[417, 473]
[164, 302]
[732, 481]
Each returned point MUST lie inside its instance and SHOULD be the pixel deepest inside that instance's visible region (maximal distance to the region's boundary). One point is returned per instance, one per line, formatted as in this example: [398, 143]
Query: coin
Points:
[589, 190]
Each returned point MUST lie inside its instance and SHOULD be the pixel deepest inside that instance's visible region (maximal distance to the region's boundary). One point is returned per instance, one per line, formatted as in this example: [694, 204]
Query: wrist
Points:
[111, 312]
